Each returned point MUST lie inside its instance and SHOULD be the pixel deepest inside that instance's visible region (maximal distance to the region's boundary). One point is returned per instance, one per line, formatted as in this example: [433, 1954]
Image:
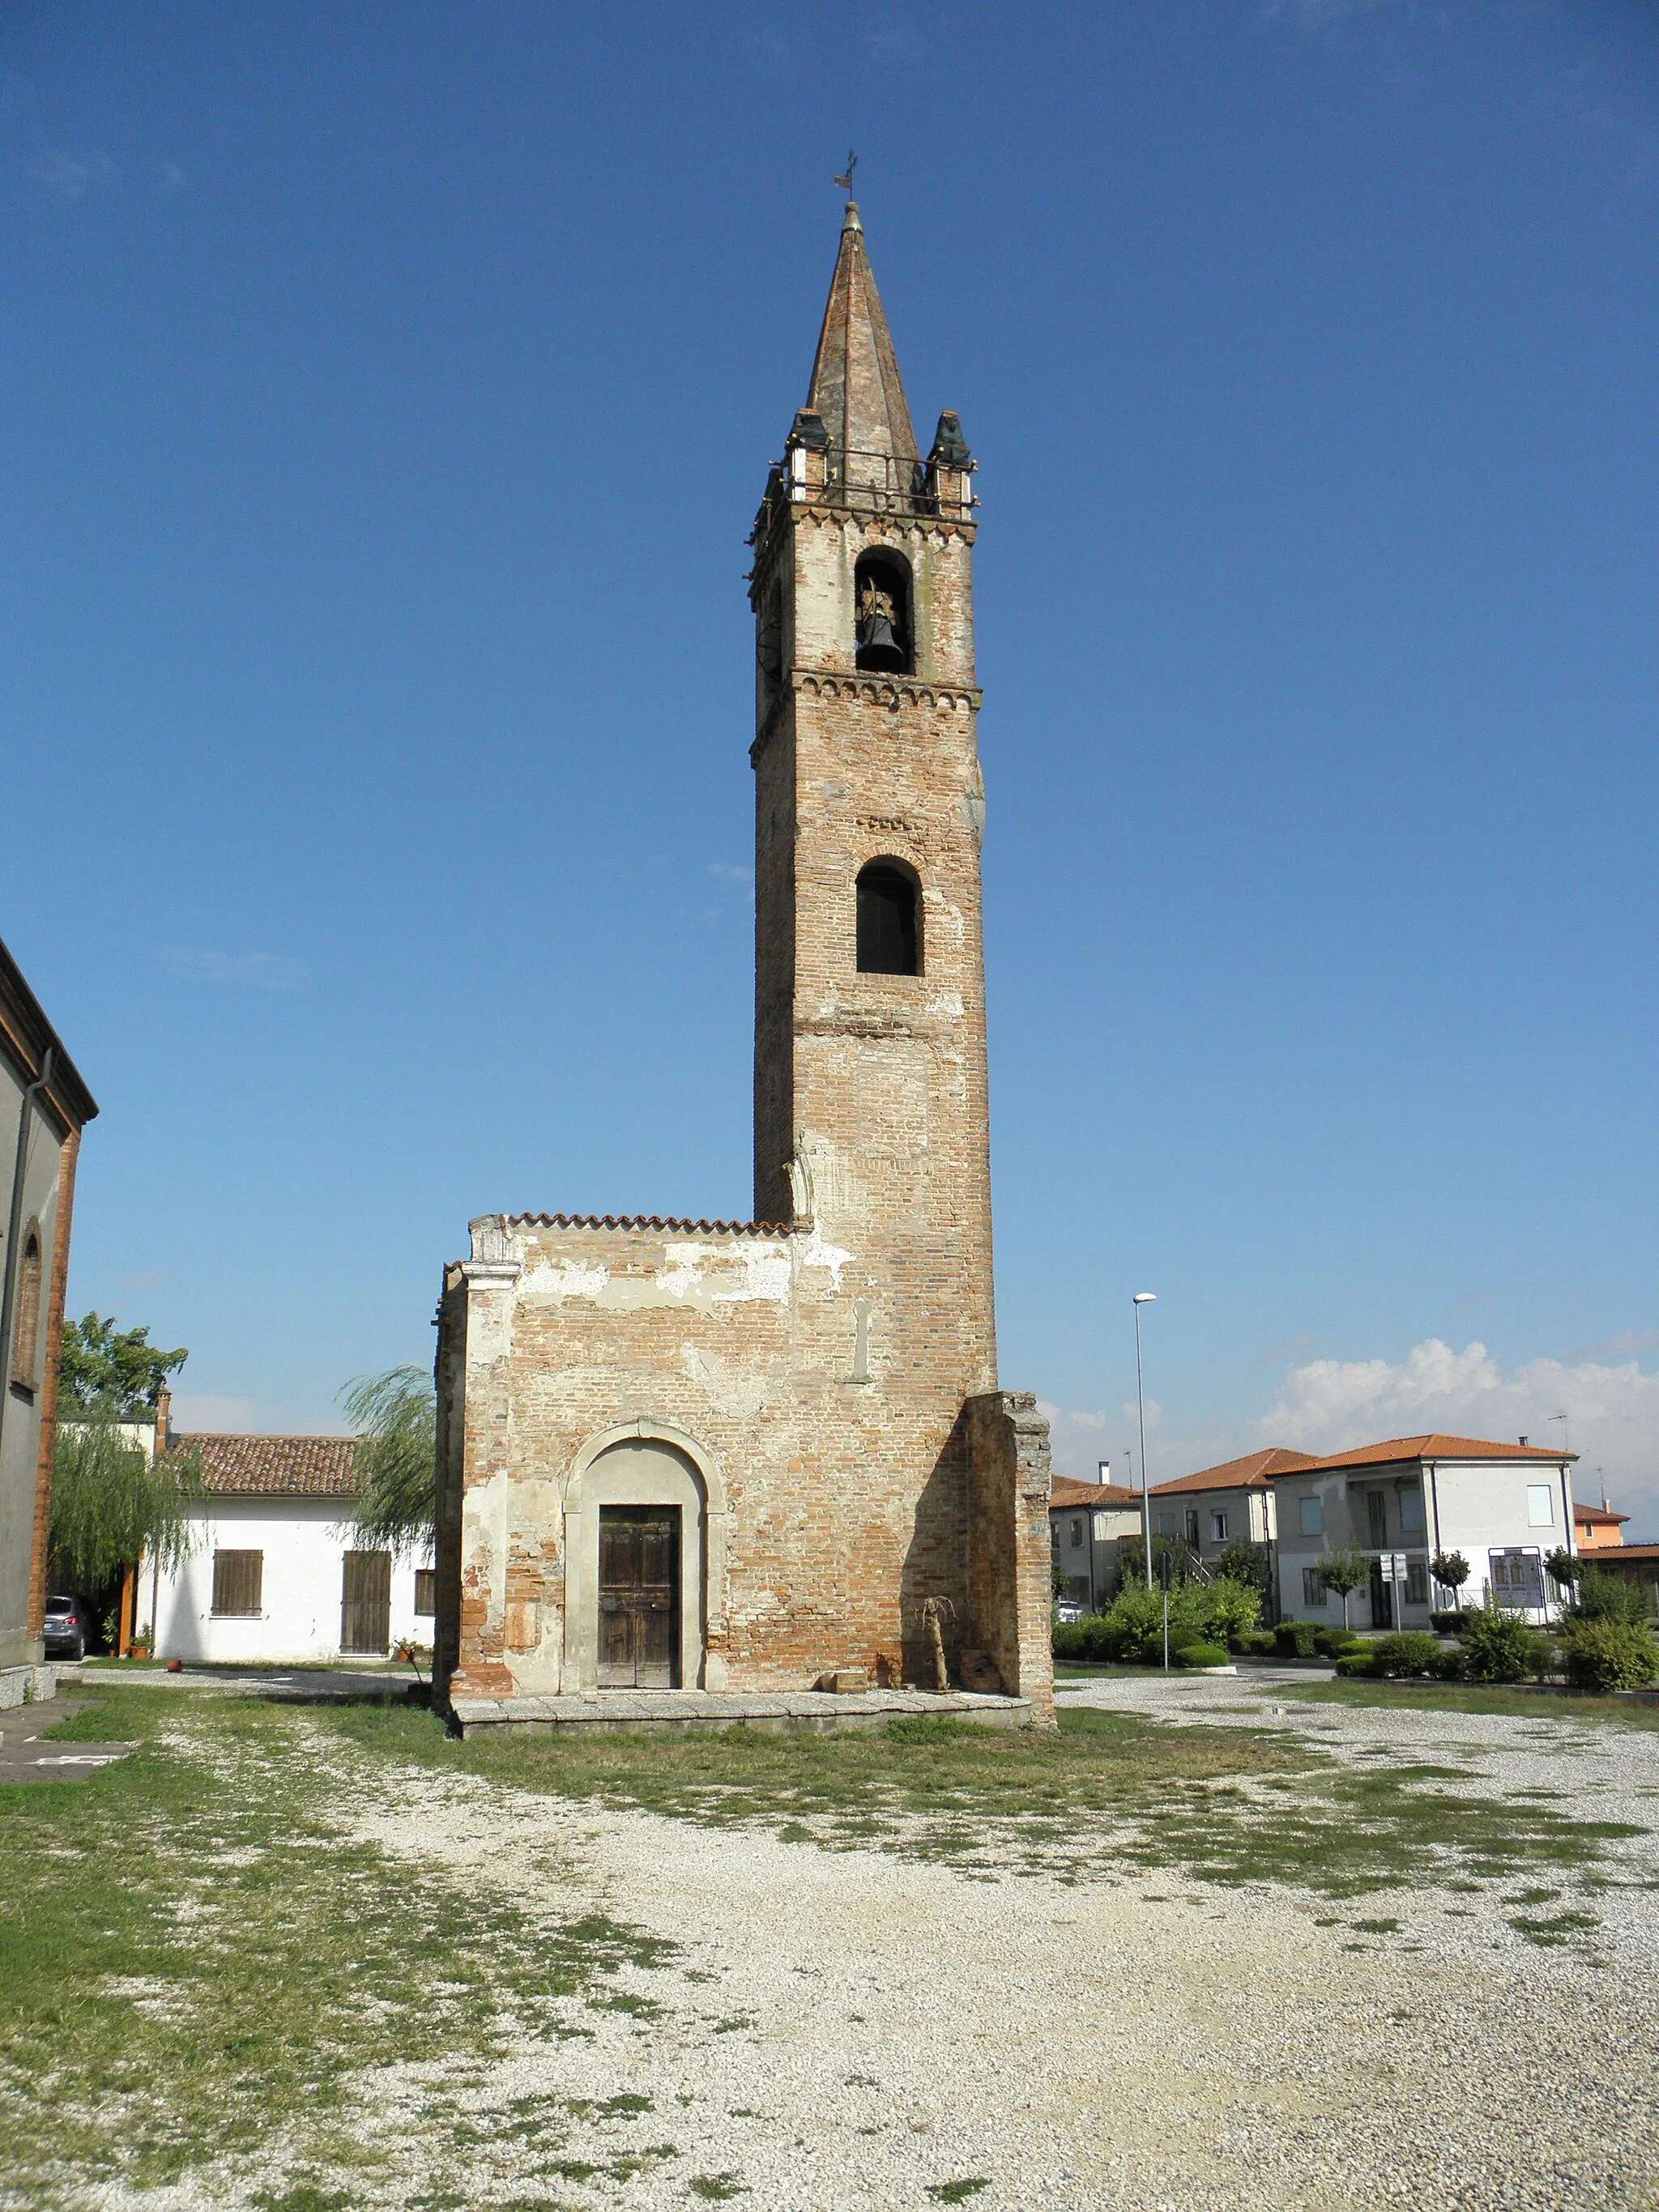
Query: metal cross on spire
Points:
[846, 182]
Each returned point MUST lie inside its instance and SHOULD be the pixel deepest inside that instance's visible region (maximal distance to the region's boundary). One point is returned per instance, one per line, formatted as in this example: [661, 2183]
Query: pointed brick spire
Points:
[856, 386]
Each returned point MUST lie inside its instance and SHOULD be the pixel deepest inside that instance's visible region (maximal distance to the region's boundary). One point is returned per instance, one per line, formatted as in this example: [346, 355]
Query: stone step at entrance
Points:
[789, 1709]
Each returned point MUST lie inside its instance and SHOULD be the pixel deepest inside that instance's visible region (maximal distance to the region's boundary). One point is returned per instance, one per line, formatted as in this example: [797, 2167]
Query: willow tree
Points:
[396, 1418]
[111, 1504]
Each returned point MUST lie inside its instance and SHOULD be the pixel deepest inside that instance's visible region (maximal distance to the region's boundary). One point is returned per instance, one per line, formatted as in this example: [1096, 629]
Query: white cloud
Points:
[1612, 1410]
[733, 875]
[265, 971]
[69, 177]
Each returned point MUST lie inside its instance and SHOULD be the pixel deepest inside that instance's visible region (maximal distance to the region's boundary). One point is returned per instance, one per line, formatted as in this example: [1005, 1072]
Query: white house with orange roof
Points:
[1504, 1507]
[1221, 1506]
[1086, 1521]
[276, 1572]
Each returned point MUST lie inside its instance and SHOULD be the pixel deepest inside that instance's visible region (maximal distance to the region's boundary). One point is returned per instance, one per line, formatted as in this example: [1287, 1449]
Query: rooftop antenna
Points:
[846, 182]
[1566, 1442]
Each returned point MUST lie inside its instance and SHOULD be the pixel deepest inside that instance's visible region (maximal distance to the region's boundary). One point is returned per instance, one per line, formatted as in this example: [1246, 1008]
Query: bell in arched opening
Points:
[882, 601]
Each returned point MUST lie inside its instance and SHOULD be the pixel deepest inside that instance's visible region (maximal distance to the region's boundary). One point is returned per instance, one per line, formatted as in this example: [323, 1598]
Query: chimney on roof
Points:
[163, 1417]
[1522, 1441]
[1103, 1471]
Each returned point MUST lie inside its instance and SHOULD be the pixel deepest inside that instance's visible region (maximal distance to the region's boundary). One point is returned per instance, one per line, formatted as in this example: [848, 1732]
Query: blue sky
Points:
[388, 391]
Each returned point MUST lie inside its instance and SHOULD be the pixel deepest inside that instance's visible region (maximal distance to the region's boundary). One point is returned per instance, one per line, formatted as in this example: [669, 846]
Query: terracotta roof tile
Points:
[275, 1466]
[1596, 1516]
[1255, 1471]
[651, 1221]
[1067, 1493]
[1397, 1449]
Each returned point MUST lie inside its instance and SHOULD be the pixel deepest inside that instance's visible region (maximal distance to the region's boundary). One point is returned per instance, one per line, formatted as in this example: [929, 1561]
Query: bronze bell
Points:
[879, 648]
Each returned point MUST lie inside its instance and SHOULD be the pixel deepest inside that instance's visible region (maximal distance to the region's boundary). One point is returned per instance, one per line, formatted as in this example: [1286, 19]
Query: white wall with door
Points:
[267, 1581]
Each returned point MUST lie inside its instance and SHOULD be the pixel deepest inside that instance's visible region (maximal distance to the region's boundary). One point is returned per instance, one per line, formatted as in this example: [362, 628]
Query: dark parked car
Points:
[68, 1627]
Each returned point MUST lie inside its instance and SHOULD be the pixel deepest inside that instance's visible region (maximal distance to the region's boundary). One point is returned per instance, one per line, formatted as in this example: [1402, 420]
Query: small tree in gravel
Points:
[1344, 1567]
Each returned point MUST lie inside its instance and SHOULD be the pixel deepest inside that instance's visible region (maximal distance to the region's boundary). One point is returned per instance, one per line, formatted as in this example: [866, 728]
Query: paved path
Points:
[25, 1756]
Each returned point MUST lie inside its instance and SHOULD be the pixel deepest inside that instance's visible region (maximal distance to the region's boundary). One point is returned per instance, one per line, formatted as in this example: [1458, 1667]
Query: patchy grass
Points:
[191, 1962]
[1102, 1791]
[1543, 1706]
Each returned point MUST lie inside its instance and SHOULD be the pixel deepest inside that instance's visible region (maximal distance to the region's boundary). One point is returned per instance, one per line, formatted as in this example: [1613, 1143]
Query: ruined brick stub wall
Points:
[1010, 1473]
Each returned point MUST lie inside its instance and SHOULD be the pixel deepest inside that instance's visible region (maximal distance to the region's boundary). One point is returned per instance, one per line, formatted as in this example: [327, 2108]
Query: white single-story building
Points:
[1504, 1507]
[276, 1572]
[1085, 1521]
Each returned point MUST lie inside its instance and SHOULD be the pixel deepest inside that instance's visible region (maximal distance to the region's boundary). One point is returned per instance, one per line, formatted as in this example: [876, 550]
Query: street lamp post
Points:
[1144, 1298]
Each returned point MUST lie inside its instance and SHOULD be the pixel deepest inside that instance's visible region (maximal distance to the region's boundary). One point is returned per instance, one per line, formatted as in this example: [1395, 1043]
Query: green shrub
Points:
[1611, 1654]
[1294, 1640]
[1200, 1655]
[1069, 1640]
[1362, 1660]
[1255, 1643]
[1331, 1643]
[1497, 1647]
[1231, 1607]
[1448, 1665]
[1448, 1624]
[1602, 1596]
[1131, 1628]
[1413, 1652]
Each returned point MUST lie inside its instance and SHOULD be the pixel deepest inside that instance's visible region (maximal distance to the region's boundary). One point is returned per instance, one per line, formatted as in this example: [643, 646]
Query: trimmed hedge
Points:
[1360, 1660]
[1332, 1642]
[1412, 1652]
[1294, 1640]
[1448, 1624]
[1200, 1654]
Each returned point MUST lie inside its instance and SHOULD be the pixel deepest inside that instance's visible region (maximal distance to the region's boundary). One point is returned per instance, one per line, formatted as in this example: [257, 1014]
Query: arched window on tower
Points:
[26, 1333]
[889, 921]
[881, 605]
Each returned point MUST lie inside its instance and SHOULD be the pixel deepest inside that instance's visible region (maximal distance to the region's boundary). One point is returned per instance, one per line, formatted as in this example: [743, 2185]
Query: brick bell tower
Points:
[871, 1108]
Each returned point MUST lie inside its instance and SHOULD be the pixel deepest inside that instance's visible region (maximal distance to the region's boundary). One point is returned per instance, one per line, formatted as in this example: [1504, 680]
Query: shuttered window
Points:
[426, 1590]
[238, 1581]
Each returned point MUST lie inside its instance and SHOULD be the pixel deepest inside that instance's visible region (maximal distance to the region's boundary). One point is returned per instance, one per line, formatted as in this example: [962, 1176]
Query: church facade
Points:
[753, 1455]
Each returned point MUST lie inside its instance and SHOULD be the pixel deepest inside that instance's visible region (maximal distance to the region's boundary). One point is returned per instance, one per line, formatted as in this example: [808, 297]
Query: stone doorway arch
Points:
[647, 1464]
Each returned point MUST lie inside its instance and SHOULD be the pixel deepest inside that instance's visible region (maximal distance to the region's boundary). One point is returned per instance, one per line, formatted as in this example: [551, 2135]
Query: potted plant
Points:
[139, 1647]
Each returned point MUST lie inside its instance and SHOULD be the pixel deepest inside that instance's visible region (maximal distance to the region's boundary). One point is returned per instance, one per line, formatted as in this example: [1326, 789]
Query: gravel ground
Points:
[852, 2029]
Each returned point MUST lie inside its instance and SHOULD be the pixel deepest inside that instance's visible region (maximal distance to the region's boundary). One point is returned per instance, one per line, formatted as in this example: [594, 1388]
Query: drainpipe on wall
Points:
[1434, 1500]
[15, 1225]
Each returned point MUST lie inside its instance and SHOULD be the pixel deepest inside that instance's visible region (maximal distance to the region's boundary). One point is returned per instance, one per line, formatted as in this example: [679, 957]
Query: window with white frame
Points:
[1417, 1582]
[1540, 1505]
[1312, 1510]
[1411, 1512]
[1217, 1527]
[1313, 1587]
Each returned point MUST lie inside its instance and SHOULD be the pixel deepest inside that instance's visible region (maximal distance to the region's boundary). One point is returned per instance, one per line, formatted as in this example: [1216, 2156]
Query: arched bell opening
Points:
[882, 609]
[888, 920]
